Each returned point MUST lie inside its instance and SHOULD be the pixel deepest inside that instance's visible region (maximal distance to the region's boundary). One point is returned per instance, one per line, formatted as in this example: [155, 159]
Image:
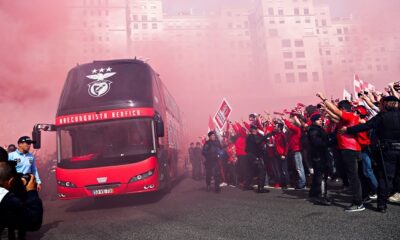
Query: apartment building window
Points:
[301, 66]
[345, 30]
[308, 20]
[288, 65]
[296, 11]
[315, 76]
[323, 22]
[282, 21]
[153, 7]
[303, 77]
[327, 52]
[144, 18]
[340, 39]
[385, 67]
[306, 11]
[144, 26]
[300, 55]
[154, 26]
[270, 11]
[230, 25]
[277, 78]
[286, 43]
[135, 17]
[273, 32]
[290, 77]
[299, 43]
[280, 12]
[287, 55]
[272, 22]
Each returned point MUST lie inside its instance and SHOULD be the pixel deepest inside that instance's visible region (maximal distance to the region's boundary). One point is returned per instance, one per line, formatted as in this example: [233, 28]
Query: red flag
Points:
[360, 85]
[211, 126]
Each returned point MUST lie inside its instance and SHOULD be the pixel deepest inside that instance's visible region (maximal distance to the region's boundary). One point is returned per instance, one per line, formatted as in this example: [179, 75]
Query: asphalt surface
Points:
[189, 212]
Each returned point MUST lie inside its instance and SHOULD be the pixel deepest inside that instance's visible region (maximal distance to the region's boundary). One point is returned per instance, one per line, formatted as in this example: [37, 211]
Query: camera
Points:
[366, 92]
[27, 178]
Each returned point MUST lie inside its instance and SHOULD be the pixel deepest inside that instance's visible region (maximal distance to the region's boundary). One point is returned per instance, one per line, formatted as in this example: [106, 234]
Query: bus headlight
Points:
[66, 184]
[142, 176]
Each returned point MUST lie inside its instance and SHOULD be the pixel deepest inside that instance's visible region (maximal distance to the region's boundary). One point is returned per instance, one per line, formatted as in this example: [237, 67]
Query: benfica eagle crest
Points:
[101, 86]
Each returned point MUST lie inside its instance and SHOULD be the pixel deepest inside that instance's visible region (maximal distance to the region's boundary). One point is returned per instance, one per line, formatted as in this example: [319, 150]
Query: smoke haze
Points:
[35, 41]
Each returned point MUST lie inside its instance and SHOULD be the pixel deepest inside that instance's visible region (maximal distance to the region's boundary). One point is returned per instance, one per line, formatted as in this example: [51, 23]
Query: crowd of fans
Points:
[307, 146]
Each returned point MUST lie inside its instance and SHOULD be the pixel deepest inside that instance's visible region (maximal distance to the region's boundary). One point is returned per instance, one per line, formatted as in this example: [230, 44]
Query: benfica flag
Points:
[346, 95]
[360, 85]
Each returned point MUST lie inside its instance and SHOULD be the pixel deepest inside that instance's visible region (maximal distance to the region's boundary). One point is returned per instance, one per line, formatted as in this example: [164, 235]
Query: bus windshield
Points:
[105, 143]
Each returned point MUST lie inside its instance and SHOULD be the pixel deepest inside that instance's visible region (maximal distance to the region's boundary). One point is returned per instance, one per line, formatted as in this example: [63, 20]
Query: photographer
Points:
[24, 215]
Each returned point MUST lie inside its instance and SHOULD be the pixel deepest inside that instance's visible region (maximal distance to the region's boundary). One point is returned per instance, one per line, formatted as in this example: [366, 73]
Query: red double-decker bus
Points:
[110, 131]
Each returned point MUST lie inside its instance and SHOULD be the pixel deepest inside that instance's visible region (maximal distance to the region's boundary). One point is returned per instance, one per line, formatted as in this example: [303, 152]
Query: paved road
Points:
[189, 212]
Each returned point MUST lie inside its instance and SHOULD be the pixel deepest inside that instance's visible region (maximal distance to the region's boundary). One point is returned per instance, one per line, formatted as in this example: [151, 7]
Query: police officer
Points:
[386, 125]
[254, 150]
[25, 160]
[210, 151]
[318, 147]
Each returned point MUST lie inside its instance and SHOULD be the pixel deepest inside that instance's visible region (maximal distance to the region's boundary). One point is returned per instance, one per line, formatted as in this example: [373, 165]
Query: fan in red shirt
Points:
[295, 149]
[281, 152]
[349, 147]
[231, 177]
[240, 146]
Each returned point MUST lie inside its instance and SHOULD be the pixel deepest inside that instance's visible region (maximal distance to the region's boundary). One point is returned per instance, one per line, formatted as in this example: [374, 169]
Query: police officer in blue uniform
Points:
[25, 160]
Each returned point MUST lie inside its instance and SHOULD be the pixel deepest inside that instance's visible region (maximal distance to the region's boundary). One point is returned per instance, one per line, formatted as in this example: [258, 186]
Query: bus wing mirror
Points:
[160, 128]
[37, 135]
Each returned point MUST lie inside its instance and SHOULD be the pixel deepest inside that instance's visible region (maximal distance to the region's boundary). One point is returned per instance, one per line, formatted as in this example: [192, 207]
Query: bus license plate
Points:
[103, 191]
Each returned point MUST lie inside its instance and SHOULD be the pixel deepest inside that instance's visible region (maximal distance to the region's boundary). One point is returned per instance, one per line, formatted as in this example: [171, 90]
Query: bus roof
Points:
[105, 85]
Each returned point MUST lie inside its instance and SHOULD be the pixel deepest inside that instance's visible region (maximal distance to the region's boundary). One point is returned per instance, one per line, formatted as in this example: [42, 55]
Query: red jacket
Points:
[294, 137]
[348, 141]
[363, 139]
[281, 144]
[240, 145]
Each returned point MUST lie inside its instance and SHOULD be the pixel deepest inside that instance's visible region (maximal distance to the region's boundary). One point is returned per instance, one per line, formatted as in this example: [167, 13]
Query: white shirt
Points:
[3, 193]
